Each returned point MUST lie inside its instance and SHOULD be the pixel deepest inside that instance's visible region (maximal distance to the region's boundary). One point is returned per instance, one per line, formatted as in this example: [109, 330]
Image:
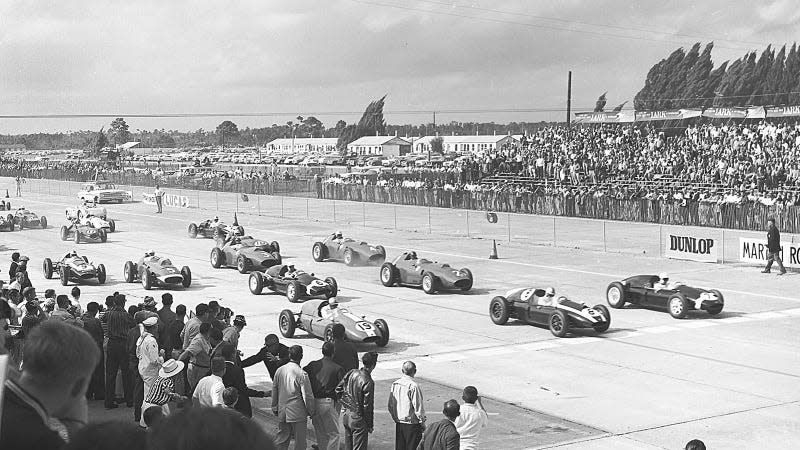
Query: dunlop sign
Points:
[755, 251]
[692, 248]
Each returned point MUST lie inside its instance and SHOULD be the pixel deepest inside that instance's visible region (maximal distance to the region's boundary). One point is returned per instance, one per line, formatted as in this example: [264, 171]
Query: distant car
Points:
[246, 253]
[317, 318]
[85, 210]
[213, 229]
[27, 219]
[74, 268]
[295, 285]
[7, 222]
[99, 223]
[154, 271]
[530, 305]
[102, 191]
[348, 250]
[82, 233]
[678, 299]
[409, 270]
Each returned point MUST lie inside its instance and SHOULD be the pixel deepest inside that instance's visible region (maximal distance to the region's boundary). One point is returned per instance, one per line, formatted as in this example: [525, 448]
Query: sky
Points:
[471, 60]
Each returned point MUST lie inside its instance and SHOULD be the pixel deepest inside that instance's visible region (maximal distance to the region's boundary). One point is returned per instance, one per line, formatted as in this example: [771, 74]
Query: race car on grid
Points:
[82, 233]
[317, 317]
[213, 228]
[7, 222]
[154, 271]
[352, 252]
[676, 297]
[27, 219]
[74, 268]
[409, 270]
[294, 283]
[93, 216]
[534, 307]
[246, 253]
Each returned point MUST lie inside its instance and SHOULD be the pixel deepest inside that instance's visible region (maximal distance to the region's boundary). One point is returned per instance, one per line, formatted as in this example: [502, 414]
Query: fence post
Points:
[364, 213]
[508, 225]
[723, 246]
[308, 216]
[281, 207]
[554, 231]
[466, 213]
[605, 247]
[429, 220]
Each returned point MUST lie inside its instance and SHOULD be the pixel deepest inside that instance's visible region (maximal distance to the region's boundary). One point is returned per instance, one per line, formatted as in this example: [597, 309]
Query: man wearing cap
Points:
[232, 333]
[273, 354]
[147, 352]
[163, 390]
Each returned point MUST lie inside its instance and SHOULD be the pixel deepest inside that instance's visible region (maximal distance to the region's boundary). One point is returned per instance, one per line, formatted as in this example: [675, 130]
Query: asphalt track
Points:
[650, 382]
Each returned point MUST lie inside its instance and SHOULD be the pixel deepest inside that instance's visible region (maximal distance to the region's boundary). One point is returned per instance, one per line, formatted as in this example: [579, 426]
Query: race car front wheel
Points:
[429, 283]
[293, 291]
[498, 310]
[383, 327]
[101, 274]
[242, 264]
[256, 283]
[677, 306]
[318, 251]
[129, 271]
[47, 268]
[64, 275]
[615, 295]
[286, 323]
[559, 323]
[192, 230]
[388, 277]
[334, 287]
[186, 273]
[603, 326]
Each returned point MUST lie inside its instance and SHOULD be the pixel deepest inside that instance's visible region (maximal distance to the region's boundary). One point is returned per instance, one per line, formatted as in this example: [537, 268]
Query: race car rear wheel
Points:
[429, 283]
[186, 273]
[77, 236]
[242, 264]
[43, 222]
[469, 275]
[256, 283]
[382, 251]
[192, 230]
[64, 275]
[112, 226]
[615, 295]
[499, 311]
[602, 327]
[47, 268]
[383, 327]
[217, 258]
[388, 273]
[717, 309]
[334, 287]
[147, 280]
[293, 291]
[678, 307]
[286, 323]
[559, 323]
[101, 274]
[129, 272]
[349, 258]
[64, 232]
[276, 247]
[318, 251]
[103, 235]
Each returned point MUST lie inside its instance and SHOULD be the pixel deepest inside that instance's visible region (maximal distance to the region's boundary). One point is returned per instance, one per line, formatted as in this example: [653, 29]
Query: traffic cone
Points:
[494, 250]
[6, 193]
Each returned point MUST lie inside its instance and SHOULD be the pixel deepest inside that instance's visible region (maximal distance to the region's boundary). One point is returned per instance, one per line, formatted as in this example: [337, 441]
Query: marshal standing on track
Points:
[773, 247]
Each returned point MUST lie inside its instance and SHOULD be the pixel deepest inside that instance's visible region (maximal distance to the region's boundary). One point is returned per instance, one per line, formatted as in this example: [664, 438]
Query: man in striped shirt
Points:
[117, 323]
[163, 390]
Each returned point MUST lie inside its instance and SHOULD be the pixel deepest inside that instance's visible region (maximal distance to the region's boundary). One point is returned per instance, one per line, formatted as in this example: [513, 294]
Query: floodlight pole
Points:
[569, 97]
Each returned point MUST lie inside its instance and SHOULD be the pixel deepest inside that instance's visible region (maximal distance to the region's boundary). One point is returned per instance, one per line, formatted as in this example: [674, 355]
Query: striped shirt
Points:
[159, 392]
[119, 322]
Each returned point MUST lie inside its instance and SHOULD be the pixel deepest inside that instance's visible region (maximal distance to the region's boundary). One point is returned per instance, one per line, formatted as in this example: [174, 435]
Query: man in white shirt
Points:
[406, 408]
[209, 389]
[472, 419]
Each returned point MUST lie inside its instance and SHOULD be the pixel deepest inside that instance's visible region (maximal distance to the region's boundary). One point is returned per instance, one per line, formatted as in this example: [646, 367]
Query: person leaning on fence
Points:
[773, 247]
[159, 197]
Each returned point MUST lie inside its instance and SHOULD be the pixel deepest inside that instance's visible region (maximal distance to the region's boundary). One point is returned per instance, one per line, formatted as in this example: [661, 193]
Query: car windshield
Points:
[105, 186]
[166, 263]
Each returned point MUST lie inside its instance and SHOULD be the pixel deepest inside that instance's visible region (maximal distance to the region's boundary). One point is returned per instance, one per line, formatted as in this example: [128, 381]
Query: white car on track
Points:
[103, 191]
[93, 216]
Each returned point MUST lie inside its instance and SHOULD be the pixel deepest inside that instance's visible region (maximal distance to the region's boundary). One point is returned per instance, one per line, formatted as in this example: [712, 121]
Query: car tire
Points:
[147, 280]
[318, 251]
[276, 247]
[101, 274]
[64, 232]
[112, 226]
[242, 264]
[129, 272]
[469, 275]
[327, 335]
[558, 323]
[293, 291]
[615, 295]
[286, 323]
[64, 274]
[429, 283]
[192, 230]
[103, 235]
[387, 274]
[217, 258]
[603, 327]
[77, 236]
[43, 222]
[186, 273]
[717, 309]
[349, 257]
[383, 327]
[334, 287]
[382, 251]
[678, 306]
[499, 310]
[256, 283]
[47, 268]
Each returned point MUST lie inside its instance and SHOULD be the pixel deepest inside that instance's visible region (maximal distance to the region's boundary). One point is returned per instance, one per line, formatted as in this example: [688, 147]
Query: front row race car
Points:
[245, 253]
[317, 317]
[80, 233]
[74, 268]
[27, 219]
[294, 283]
[352, 252]
[409, 270]
[656, 291]
[154, 270]
[539, 307]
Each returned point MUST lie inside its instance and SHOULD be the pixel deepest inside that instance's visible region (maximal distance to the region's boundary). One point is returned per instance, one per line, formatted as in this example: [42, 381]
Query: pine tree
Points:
[791, 75]
[677, 81]
[757, 83]
[709, 90]
[371, 123]
[696, 78]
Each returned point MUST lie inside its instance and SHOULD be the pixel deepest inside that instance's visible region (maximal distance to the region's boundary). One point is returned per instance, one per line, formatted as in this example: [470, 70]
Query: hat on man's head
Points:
[28, 289]
[24, 258]
[170, 368]
[239, 320]
[149, 302]
[150, 322]
[141, 316]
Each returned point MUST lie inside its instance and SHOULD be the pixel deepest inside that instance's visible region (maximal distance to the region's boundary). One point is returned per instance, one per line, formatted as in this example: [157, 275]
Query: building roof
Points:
[466, 139]
[304, 141]
[127, 145]
[379, 140]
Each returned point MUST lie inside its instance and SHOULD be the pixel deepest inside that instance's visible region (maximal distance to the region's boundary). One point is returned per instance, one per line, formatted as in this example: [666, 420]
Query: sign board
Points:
[702, 247]
[754, 251]
[175, 201]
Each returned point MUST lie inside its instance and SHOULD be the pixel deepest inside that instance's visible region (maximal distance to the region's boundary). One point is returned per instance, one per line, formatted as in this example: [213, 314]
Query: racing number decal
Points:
[526, 295]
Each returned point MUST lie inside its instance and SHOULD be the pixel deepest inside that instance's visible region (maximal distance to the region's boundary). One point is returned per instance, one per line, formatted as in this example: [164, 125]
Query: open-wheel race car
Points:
[154, 271]
[534, 307]
[348, 250]
[93, 216]
[214, 228]
[295, 284]
[28, 219]
[7, 222]
[317, 317]
[246, 253]
[82, 233]
[655, 291]
[409, 270]
[73, 267]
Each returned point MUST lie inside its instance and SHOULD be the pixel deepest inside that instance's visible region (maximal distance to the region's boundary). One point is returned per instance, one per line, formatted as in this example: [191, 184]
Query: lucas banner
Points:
[175, 201]
[754, 251]
[692, 248]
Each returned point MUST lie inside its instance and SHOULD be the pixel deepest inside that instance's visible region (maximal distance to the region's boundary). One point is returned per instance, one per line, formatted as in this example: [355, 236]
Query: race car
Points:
[154, 271]
[296, 284]
[317, 317]
[75, 268]
[409, 270]
[93, 216]
[81, 233]
[676, 297]
[532, 306]
[86, 209]
[103, 191]
[27, 219]
[246, 253]
[214, 228]
[7, 222]
[348, 250]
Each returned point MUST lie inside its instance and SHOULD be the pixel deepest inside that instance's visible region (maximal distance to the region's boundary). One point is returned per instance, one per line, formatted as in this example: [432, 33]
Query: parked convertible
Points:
[407, 269]
[82, 233]
[74, 268]
[154, 270]
[534, 307]
[655, 291]
[317, 317]
[296, 284]
[213, 228]
[348, 250]
[246, 253]
[27, 219]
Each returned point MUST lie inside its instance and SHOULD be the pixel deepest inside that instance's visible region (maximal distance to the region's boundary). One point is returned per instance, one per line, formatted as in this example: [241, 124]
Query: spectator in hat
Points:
[209, 389]
[273, 354]
[147, 353]
[92, 326]
[442, 435]
[234, 377]
[163, 391]
[472, 418]
[232, 333]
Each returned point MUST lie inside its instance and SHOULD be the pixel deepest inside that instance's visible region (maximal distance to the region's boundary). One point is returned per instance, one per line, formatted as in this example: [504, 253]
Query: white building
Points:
[303, 145]
[379, 145]
[465, 144]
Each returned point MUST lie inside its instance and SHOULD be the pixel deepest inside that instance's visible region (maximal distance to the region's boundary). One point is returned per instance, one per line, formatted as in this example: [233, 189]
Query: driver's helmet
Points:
[216, 219]
[332, 303]
[73, 253]
[663, 277]
[550, 292]
[290, 269]
[337, 235]
[150, 253]
[412, 255]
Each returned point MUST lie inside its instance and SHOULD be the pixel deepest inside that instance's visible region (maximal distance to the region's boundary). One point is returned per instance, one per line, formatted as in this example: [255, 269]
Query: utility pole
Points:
[569, 97]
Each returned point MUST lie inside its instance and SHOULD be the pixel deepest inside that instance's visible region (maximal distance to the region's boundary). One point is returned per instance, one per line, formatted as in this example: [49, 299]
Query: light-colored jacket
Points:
[405, 401]
[292, 397]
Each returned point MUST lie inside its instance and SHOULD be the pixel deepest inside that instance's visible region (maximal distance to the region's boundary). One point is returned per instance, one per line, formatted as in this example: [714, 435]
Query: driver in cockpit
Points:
[72, 254]
[150, 254]
[549, 297]
[330, 310]
[337, 237]
[411, 256]
[234, 238]
[214, 222]
[664, 283]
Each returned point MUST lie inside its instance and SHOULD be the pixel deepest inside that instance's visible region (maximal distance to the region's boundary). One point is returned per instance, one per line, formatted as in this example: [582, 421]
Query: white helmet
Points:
[551, 291]
[663, 276]
[332, 303]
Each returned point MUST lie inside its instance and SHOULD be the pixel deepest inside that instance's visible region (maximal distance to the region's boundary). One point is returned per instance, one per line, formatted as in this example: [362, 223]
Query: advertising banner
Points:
[725, 113]
[674, 114]
[695, 247]
[783, 111]
[605, 117]
[175, 201]
[754, 251]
